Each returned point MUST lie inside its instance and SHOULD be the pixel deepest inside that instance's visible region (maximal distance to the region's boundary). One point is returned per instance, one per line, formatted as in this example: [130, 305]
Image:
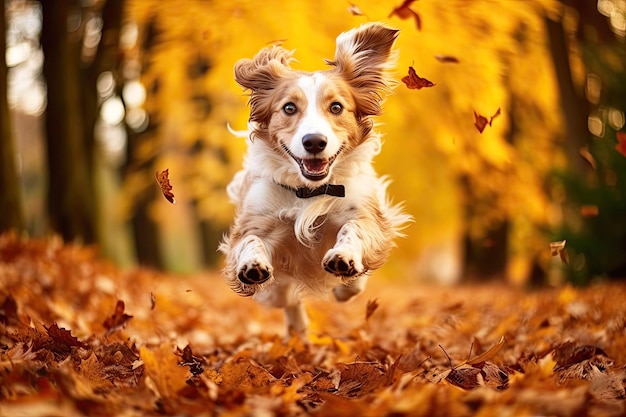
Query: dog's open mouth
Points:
[314, 169]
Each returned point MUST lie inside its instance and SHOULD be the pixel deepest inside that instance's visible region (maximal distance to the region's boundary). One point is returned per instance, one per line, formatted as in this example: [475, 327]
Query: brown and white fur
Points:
[308, 130]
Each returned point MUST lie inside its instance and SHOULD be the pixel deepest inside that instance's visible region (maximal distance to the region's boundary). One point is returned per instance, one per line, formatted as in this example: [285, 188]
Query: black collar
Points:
[328, 189]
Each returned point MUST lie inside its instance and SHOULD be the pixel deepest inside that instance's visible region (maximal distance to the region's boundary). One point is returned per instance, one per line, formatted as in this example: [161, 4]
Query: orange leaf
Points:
[589, 210]
[621, 145]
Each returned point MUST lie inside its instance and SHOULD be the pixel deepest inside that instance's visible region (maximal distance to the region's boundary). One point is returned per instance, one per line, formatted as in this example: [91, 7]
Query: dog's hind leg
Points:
[296, 318]
[286, 296]
[346, 291]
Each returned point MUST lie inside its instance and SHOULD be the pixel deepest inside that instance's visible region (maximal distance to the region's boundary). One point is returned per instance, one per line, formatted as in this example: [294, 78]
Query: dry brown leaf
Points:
[558, 248]
[415, 82]
[404, 11]
[587, 156]
[447, 59]
[248, 367]
[480, 121]
[355, 10]
[163, 179]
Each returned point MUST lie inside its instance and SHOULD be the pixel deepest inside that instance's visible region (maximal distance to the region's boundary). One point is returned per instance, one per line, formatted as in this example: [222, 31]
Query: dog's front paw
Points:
[342, 264]
[253, 273]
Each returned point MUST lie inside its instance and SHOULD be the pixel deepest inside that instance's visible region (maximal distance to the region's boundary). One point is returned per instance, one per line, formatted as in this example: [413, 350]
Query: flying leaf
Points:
[194, 363]
[481, 121]
[621, 143]
[372, 306]
[118, 319]
[447, 59]
[587, 156]
[405, 12]
[589, 210]
[558, 248]
[496, 114]
[414, 81]
[355, 10]
[163, 179]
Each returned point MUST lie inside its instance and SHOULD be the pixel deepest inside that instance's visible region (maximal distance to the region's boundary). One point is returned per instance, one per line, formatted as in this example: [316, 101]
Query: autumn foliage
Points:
[80, 337]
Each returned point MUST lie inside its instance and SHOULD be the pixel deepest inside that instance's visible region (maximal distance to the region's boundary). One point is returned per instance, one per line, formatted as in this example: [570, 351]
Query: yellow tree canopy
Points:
[481, 55]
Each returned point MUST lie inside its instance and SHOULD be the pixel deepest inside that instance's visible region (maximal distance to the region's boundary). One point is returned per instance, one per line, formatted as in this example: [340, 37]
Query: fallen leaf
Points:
[163, 180]
[494, 376]
[414, 81]
[490, 353]
[62, 336]
[465, 377]
[405, 12]
[360, 378]
[569, 353]
[8, 311]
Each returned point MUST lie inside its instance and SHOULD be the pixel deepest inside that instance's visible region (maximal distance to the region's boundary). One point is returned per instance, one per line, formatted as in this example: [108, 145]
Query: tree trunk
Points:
[574, 105]
[71, 205]
[10, 198]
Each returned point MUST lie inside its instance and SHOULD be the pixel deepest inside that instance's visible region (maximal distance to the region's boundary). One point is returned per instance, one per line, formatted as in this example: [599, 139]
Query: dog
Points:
[312, 215]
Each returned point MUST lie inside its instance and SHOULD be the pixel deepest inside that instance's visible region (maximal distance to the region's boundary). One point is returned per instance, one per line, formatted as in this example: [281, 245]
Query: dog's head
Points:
[314, 118]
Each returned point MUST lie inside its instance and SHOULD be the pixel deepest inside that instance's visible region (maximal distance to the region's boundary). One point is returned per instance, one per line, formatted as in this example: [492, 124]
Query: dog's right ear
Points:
[260, 75]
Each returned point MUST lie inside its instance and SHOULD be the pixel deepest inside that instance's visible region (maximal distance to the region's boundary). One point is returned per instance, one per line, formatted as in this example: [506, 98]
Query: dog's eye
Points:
[290, 108]
[336, 108]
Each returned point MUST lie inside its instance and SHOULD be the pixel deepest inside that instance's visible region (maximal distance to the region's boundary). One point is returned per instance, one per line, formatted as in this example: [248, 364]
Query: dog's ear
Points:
[262, 72]
[363, 57]
[260, 75]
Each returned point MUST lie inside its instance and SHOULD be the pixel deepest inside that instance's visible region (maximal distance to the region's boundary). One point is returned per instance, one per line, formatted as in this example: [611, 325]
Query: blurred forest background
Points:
[98, 95]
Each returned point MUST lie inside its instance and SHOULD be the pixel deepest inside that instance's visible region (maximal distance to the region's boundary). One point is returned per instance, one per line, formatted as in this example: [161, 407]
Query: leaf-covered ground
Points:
[80, 337]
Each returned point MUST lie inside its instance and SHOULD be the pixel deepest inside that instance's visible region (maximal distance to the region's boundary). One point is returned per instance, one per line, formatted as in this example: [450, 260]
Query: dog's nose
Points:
[314, 142]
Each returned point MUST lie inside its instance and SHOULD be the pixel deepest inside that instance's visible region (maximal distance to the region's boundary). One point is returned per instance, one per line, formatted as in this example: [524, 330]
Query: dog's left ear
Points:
[363, 57]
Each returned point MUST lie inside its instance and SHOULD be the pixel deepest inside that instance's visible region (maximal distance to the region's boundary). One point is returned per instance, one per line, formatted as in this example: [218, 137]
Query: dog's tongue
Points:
[314, 166]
